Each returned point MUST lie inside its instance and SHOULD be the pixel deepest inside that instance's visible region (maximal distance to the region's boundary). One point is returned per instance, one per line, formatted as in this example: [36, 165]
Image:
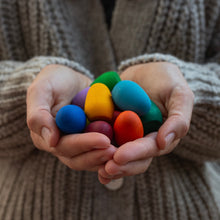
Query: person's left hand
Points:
[166, 86]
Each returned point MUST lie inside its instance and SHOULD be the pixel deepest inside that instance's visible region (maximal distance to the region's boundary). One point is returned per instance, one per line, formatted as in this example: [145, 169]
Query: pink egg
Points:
[100, 127]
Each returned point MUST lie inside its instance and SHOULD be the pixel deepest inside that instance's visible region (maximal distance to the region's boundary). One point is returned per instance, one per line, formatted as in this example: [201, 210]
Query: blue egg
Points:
[128, 95]
[71, 119]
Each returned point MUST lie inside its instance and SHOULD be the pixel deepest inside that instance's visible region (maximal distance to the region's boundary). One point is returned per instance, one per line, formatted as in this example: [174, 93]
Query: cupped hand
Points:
[54, 87]
[166, 86]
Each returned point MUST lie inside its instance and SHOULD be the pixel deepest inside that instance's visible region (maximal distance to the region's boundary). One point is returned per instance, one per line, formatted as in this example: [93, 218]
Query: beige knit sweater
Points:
[33, 33]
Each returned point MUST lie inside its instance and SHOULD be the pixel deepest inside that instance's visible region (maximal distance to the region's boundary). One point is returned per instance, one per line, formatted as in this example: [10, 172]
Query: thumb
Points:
[180, 106]
[39, 118]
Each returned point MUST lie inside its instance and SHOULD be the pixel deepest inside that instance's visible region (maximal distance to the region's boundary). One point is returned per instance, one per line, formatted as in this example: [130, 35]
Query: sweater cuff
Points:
[148, 58]
[41, 61]
[202, 141]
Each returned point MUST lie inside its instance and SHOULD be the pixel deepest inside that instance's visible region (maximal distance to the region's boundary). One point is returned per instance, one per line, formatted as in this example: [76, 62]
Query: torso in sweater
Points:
[35, 185]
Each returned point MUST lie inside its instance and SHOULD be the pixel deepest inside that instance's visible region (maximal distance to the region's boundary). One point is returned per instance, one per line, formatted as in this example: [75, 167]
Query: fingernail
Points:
[169, 139]
[45, 133]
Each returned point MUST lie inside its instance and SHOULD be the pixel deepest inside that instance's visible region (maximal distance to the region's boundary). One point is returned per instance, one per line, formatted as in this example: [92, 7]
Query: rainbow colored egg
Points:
[99, 104]
[127, 127]
[71, 119]
[128, 95]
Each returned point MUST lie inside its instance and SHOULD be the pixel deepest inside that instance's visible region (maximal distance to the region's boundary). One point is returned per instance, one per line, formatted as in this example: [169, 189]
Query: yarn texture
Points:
[184, 184]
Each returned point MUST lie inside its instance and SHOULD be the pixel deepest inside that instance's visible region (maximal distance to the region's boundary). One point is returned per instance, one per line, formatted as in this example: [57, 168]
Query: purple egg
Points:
[80, 98]
[100, 127]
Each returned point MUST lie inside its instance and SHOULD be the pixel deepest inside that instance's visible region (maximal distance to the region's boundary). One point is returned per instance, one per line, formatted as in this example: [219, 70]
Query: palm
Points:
[166, 86]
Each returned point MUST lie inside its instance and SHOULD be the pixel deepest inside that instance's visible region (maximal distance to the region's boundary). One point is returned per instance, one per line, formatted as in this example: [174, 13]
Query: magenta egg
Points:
[100, 127]
[115, 115]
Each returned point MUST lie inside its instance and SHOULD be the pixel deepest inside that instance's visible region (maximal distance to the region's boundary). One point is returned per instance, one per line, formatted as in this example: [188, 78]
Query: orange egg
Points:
[127, 127]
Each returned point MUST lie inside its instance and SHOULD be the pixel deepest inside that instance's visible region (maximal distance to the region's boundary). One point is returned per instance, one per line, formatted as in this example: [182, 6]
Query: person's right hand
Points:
[54, 87]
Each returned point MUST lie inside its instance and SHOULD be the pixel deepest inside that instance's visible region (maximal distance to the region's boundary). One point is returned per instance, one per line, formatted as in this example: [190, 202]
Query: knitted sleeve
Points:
[203, 139]
[15, 77]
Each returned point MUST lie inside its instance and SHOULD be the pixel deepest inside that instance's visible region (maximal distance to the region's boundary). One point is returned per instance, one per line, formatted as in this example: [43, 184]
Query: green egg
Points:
[110, 79]
[152, 120]
[87, 121]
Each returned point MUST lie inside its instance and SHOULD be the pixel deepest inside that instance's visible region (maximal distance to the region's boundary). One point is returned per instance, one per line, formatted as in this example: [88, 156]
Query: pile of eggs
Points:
[120, 109]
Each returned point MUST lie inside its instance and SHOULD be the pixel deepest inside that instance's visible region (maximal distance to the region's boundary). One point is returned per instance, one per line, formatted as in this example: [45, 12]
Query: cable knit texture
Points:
[182, 185]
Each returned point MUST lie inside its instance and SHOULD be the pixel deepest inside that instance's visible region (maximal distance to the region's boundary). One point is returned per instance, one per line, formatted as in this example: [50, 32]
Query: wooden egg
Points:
[110, 79]
[152, 120]
[100, 127]
[80, 97]
[71, 119]
[128, 95]
[99, 104]
[116, 113]
[127, 127]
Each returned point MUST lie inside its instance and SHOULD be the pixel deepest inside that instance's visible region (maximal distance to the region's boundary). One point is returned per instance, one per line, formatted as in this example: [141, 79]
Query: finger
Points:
[89, 160]
[180, 106]
[94, 169]
[75, 144]
[103, 180]
[40, 143]
[39, 118]
[102, 172]
[140, 149]
[47, 130]
[129, 169]
[39, 98]
[103, 177]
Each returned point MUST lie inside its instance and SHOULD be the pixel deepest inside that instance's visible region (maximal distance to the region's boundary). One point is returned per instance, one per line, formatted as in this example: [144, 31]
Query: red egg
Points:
[128, 127]
[115, 115]
[100, 127]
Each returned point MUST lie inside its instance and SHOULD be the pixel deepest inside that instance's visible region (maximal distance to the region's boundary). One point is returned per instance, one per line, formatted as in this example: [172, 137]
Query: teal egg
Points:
[152, 120]
[128, 95]
[110, 79]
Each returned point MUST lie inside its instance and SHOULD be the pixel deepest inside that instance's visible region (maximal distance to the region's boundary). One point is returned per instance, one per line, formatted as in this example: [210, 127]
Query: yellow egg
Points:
[99, 104]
